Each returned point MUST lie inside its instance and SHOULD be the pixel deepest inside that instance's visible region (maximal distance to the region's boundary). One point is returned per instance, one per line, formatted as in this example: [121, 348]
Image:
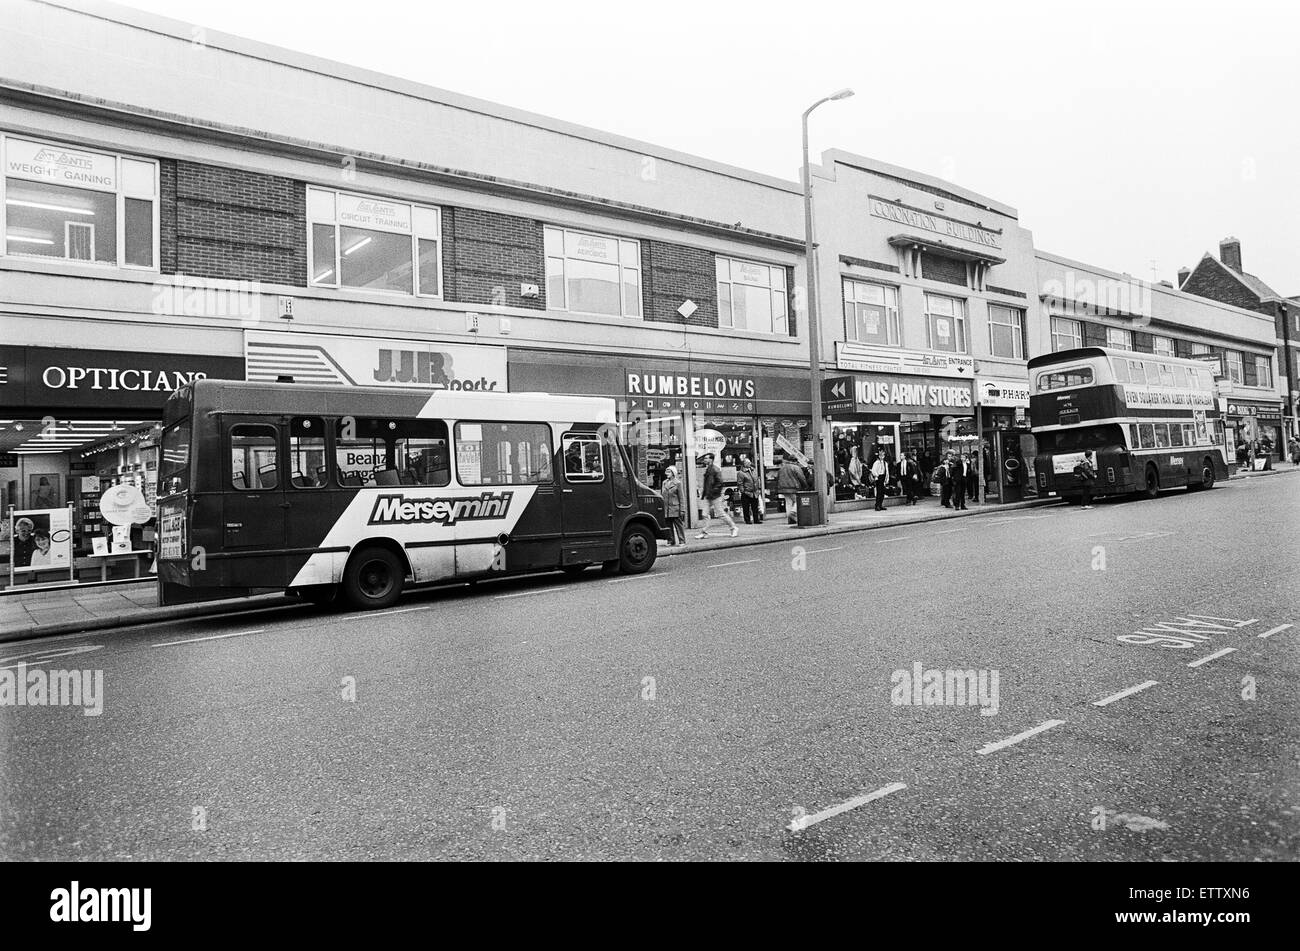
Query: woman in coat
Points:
[674, 495]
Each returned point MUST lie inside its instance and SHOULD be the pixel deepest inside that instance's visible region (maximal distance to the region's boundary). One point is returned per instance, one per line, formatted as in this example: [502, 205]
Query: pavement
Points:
[1132, 697]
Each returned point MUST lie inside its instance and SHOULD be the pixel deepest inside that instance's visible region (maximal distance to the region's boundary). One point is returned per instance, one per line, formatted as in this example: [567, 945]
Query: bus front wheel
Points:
[1153, 483]
[637, 551]
[373, 579]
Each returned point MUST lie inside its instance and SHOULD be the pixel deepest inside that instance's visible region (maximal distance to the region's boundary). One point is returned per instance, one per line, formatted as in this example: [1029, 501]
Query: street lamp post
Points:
[814, 321]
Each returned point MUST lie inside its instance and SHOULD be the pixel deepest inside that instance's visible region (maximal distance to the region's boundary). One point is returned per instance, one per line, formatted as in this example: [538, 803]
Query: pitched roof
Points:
[1249, 281]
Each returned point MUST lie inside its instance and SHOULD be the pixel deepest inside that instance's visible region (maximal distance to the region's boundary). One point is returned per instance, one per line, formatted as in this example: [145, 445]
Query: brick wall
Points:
[937, 268]
[1208, 280]
[486, 256]
[231, 224]
[673, 273]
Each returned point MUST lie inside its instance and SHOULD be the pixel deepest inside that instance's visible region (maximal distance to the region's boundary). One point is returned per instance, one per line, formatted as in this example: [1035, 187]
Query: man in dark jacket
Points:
[750, 489]
[957, 474]
[908, 473]
[715, 506]
[1086, 473]
[789, 480]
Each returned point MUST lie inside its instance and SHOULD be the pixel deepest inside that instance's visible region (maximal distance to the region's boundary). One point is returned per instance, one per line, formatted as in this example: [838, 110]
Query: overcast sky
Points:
[1132, 133]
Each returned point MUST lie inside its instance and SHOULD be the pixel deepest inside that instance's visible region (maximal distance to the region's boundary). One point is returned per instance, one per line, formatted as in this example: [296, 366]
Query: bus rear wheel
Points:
[637, 550]
[1207, 476]
[1152, 484]
[373, 579]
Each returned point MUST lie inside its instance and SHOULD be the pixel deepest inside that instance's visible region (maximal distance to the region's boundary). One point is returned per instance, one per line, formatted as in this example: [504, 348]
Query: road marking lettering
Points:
[1235, 622]
[1124, 693]
[1277, 630]
[214, 637]
[1012, 740]
[1209, 657]
[803, 822]
[51, 653]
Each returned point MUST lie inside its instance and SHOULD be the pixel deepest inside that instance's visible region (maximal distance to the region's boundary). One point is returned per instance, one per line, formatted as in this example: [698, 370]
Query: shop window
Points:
[254, 457]
[1006, 332]
[582, 458]
[871, 313]
[491, 453]
[1263, 372]
[1162, 346]
[1236, 369]
[752, 296]
[369, 243]
[590, 273]
[945, 320]
[1118, 338]
[71, 204]
[308, 468]
[1066, 334]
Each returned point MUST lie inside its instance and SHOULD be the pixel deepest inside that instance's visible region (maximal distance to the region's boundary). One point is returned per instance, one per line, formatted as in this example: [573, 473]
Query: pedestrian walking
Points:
[750, 491]
[879, 476]
[1294, 446]
[1086, 473]
[715, 506]
[789, 480]
[674, 495]
[957, 475]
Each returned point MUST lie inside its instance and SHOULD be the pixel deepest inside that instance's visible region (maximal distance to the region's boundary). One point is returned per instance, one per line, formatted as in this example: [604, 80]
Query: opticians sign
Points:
[60, 165]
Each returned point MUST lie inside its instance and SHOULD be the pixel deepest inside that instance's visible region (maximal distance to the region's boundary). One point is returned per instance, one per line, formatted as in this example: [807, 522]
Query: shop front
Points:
[1254, 429]
[1007, 447]
[672, 412]
[78, 439]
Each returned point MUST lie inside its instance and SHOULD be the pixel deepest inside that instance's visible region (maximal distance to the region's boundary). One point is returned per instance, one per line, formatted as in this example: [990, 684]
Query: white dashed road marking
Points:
[526, 594]
[818, 551]
[214, 637]
[1209, 657]
[731, 564]
[804, 822]
[1277, 630]
[1011, 740]
[1124, 693]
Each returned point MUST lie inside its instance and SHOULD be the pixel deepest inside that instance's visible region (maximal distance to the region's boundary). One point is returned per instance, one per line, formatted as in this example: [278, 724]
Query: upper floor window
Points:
[73, 204]
[1200, 349]
[371, 243]
[1006, 332]
[945, 323]
[592, 273]
[1162, 346]
[1066, 334]
[1236, 369]
[871, 313]
[752, 296]
[1263, 371]
[1118, 338]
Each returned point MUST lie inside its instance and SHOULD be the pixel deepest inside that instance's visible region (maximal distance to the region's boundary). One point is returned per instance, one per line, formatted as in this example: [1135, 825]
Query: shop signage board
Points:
[701, 392]
[1014, 393]
[373, 361]
[1264, 412]
[936, 224]
[60, 165]
[865, 358]
[898, 393]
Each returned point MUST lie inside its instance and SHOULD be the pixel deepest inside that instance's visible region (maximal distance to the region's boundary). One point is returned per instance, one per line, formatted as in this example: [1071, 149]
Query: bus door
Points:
[254, 503]
[586, 504]
[313, 504]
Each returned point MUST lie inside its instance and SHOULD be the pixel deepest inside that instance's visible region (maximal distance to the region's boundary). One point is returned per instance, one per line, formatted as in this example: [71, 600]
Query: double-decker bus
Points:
[322, 490]
[1151, 422]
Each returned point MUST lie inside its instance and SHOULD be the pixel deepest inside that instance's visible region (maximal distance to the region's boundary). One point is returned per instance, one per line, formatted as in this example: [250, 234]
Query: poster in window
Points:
[45, 491]
[469, 463]
[872, 319]
[41, 539]
[942, 327]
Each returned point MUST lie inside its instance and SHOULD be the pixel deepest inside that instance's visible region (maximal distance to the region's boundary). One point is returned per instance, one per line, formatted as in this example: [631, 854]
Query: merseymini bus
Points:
[320, 490]
[1151, 422]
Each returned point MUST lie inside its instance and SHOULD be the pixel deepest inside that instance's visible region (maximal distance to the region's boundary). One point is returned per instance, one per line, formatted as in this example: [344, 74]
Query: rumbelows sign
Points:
[714, 386]
[399, 510]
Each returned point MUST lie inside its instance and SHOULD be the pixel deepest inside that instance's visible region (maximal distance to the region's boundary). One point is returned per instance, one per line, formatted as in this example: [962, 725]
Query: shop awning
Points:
[944, 249]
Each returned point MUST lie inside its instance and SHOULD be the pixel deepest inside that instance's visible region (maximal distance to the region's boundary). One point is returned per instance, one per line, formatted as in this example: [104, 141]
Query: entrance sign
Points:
[851, 355]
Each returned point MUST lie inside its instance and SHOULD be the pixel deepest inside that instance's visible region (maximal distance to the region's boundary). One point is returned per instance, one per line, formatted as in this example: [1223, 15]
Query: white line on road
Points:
[525, 594]
[634, 578]
[729, 564]
[1277, 630]
[1009, 741]
[423, 607]
[1124, 693]
[952, 530]
[900, 538]
[803, 822]
[1209, 657]
[215, 637]
[818, 551]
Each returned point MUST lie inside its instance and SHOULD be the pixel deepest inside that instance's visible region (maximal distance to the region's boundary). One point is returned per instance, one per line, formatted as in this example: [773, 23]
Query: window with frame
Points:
[1236, 368]
[871, 313]
[495, 453]
[1200, 349]
[1061, 379]
[1067, 334]
[1006, 332]
[374, 451]
[1162, 435]
[1162, 346]
[1263, 371]
[588, 273]
[1176, 435]
[1146, 436]
[752, 296]
[72, 204]
[361, 242]
[308, 467]
[945, 323]
[583, 461]
[254, 457]
[1117, 338]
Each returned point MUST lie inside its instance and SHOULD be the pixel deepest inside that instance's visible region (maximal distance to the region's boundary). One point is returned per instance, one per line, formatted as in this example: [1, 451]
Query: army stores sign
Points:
[897, 393]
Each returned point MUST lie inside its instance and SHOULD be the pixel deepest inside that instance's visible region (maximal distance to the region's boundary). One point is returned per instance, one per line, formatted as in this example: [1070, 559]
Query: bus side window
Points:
[1176, 435]
[422, 453]
[254, 459]
[1133, 435]
[1121, 371]
[360, 450]
[307, 467]
[582, 457]
[1146, 433]
[1162, 435]
[487, 453]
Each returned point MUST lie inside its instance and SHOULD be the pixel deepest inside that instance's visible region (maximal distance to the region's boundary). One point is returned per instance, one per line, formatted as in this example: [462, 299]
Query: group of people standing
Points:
[956, 475]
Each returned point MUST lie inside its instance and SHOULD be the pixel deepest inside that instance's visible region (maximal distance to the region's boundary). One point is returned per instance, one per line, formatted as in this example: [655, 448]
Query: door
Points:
[586, 503]
[314, 505]
[254, 504]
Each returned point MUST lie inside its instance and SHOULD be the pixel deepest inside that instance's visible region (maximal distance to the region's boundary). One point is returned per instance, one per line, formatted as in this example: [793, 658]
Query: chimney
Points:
[1183, 274]
[1230, 253]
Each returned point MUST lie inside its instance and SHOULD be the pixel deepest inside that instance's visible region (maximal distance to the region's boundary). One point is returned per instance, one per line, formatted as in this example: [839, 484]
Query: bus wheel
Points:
[637, 551]
[373, 579]
[1207, 476]
[1153, 483]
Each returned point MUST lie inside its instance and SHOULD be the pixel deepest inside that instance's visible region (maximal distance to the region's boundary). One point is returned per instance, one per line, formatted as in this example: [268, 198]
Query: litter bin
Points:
[806, 505]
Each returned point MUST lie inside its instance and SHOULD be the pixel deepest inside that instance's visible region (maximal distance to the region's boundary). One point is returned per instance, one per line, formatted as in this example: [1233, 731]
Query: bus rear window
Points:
[175, 457]
[1060, 379]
